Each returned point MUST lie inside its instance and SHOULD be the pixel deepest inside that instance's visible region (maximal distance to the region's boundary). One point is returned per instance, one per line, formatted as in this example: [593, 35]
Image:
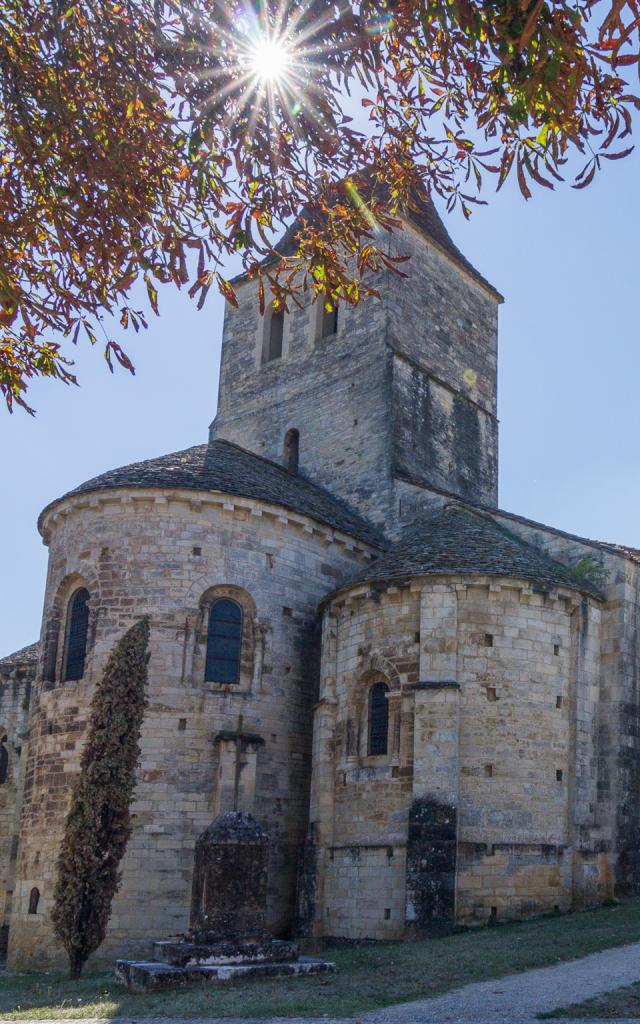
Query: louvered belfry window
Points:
[224, 642]
[378, 719]
[77, 629]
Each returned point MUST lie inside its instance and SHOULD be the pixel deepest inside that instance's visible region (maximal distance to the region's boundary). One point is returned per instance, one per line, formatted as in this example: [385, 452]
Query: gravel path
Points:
[517, 998]
[523, 996]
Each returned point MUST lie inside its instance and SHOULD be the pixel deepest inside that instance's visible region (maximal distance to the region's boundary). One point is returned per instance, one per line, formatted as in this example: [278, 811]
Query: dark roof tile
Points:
[223, 466]
[26, 656]
[457, 540]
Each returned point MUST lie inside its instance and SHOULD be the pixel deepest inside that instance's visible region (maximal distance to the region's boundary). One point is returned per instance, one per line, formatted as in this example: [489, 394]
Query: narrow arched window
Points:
[4, 761]
[329, 322]
[292, 450]
[378, 719]
[276, 334]
[224, 642]
[34, 899]
[76, 640]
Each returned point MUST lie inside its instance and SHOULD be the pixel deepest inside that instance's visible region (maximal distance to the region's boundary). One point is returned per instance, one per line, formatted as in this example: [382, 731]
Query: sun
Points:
[270, 60]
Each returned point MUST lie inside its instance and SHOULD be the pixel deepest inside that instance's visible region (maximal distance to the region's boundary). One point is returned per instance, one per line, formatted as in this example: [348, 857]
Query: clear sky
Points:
[569, 383]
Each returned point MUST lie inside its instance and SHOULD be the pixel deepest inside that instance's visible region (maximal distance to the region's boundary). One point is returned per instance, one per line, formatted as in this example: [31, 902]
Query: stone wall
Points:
[443, 330]
[491, 774]
[16, 679]
[406, 389]
[616, 719]
[335, 392]
[168, 553]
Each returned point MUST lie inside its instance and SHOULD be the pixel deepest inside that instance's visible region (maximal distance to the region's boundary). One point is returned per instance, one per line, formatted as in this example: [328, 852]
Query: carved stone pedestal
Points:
[227, 938]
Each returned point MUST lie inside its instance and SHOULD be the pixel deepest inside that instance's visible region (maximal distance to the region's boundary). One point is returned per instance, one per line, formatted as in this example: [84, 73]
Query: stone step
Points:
[151, 976]
[200, 954]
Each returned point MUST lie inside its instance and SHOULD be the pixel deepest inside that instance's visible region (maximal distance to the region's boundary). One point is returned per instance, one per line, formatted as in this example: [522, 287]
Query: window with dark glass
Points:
[224, 642]
[4, 760]
[329, 323]
[77, 629]
[276, 333]
[378, 719]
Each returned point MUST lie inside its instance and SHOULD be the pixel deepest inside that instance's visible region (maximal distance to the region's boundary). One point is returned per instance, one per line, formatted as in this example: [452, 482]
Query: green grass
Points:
[368, 976]
[620, 1004]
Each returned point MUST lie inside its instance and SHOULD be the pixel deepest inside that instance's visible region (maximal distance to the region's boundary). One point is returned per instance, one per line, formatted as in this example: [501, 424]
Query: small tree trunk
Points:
[75, 966]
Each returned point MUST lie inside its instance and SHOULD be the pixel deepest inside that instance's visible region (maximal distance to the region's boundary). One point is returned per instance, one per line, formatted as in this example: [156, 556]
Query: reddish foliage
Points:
[136, 145]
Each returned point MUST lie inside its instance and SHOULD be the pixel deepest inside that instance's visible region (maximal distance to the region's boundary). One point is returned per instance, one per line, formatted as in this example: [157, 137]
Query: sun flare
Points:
[270, 60]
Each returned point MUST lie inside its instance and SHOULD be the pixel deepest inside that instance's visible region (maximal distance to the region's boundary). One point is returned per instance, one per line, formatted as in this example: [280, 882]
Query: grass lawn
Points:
[368, 976]
[620, 1004]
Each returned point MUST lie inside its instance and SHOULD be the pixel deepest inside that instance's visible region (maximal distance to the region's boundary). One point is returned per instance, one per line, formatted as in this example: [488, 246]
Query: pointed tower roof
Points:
[421, 213]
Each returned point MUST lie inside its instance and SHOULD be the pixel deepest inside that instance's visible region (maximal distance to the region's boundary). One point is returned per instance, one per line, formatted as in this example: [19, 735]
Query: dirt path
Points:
[523, 996]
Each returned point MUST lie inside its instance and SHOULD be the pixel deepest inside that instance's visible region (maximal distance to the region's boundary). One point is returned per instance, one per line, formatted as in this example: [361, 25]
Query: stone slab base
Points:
[202, 954]
[150, 976]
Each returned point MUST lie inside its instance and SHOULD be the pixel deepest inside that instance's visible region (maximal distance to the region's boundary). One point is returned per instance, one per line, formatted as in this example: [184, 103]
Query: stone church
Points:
[430, 705]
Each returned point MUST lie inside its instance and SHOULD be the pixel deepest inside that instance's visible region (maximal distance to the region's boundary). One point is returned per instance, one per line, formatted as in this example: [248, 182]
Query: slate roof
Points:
[223, 466]
[458, 540]
[423, 215]
[25, 656]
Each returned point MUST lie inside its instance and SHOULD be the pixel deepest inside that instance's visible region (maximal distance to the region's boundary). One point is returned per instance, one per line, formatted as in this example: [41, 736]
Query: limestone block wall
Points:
[168, 554]
[405, 390]
[486, 803]
[615, 720]
[443, 329]
[334, 391]
[15, 696]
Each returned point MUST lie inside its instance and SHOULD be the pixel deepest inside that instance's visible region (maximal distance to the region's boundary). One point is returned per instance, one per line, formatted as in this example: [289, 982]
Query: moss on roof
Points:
[457, 540]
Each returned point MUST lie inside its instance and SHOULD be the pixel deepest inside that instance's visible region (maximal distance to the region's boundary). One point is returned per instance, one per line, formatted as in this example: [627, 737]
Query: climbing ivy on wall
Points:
[98, 825]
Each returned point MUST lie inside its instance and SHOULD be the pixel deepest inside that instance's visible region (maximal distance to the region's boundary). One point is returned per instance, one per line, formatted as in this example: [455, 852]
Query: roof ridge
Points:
[620, 550]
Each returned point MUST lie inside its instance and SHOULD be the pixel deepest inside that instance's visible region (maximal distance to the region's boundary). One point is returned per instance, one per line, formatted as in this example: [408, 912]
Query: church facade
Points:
[430, 705]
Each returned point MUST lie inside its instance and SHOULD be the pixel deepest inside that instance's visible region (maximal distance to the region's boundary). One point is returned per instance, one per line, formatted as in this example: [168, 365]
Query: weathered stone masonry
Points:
[434, 718]
[135, 553]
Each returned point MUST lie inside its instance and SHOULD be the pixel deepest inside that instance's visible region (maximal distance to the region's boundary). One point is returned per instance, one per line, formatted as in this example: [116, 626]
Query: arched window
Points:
[378, 719]
[292, 450]
[4, 761]
[273, 348]
[34, 899]
[224, 642]
[76, 642]
[329, 321]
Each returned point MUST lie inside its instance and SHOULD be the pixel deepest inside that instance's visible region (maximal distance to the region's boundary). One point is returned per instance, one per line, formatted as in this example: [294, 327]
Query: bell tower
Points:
[390, 402]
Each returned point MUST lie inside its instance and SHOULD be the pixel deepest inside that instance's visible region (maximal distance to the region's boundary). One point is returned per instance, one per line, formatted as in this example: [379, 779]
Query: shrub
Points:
[98, 824]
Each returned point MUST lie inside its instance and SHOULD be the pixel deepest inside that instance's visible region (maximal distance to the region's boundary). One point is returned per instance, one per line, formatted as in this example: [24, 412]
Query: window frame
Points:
[380, 686]
[267, 357]
[322, 315]
[209, 657]
[65, 676]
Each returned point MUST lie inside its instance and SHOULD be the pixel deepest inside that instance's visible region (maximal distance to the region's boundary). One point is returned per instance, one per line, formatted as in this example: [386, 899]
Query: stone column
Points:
[433, 816]
[320, 831]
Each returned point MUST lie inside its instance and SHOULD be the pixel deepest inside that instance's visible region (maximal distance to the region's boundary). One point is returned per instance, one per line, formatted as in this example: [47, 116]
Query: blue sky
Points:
[567, 263]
